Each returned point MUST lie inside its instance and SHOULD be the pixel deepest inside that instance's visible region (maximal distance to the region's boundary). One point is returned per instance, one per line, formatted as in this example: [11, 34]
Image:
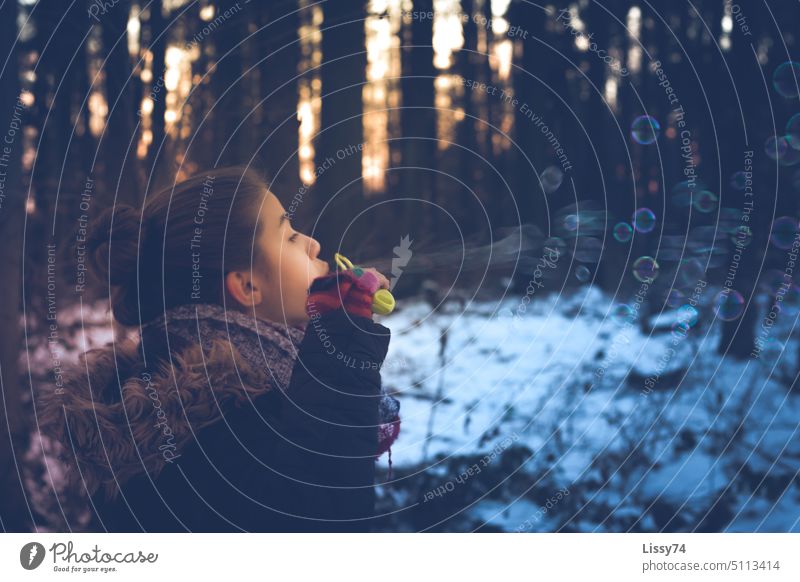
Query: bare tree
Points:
[341, 137]
[118, 142]
[13, 514]
[279, 54]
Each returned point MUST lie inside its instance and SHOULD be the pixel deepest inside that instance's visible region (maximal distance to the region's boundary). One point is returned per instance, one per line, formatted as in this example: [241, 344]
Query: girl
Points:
[251, 399]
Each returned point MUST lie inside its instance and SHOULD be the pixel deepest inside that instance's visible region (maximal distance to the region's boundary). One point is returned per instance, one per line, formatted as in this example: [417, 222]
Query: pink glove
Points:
[352, 289]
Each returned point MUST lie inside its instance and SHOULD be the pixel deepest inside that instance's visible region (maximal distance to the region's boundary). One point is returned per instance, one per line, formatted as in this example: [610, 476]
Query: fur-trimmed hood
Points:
[115, 418]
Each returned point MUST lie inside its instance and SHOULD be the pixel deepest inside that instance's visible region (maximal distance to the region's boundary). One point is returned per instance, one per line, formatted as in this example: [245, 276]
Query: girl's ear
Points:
[243, 288]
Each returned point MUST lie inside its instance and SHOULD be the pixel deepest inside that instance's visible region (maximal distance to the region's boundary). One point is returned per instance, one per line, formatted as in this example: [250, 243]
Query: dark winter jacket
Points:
[299, 460]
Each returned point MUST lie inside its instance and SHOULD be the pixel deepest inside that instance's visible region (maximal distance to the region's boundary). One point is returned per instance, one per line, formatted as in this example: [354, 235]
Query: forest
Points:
[588, 211]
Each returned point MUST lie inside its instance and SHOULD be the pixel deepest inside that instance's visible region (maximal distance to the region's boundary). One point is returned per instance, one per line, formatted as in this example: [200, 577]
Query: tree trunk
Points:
[278, 127]
[528, 91]
[13, 429]
[228, 87]
[418, 120]
[738, 336]
[159, 149]
[339, 190]
[118, 142]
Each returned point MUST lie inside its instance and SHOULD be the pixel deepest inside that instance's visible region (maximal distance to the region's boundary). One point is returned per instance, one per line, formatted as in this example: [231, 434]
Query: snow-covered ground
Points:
[636, 422]
[568, 417]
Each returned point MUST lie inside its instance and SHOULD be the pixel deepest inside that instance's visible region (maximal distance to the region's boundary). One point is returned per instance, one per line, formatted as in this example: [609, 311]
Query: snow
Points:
[554, 398]
[682, 444]
[756, 514]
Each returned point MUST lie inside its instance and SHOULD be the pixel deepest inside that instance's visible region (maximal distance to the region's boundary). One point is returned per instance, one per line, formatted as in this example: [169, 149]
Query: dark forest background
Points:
[130, 97]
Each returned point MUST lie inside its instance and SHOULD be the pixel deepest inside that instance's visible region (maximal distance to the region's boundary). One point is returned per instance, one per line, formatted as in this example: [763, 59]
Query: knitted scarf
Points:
[262, 343]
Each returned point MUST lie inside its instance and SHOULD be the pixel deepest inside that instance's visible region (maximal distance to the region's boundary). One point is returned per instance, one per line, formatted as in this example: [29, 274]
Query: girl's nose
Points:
[313, 248]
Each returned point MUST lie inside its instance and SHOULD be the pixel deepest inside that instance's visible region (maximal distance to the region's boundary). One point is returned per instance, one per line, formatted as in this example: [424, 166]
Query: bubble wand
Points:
[383, 301]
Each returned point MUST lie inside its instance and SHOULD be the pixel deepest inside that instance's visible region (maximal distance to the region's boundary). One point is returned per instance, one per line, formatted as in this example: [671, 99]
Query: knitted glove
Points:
[389, 428]
[352, 289]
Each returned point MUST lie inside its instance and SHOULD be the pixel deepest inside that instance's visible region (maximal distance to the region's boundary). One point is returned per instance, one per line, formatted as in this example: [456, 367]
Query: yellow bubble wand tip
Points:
[383, 302]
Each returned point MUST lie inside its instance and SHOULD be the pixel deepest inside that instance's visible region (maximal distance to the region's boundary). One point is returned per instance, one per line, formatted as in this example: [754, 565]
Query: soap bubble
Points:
[683, 192]
[778, 149]
[690, 272]
[571, 222]
[622, 312]
[786, 80]
[645, 269]
[783, 232]
[675, 298]
[729, 305]
[623, 232]
[793, 131]
[645, 130]
[688, 315]
[739, 180]
[680, 328]
[591, 222]
[791, 157]
[776, 146]
[644, 220]
[587, 218]
[582, 274]
[743, 235]
[551, 179]
[705, 201]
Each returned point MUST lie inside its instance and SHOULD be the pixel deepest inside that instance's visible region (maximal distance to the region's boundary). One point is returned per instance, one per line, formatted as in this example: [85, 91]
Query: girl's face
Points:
[291, 264]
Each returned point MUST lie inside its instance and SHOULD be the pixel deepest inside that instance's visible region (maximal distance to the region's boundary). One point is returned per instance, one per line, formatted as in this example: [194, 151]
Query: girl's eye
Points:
[294, 237]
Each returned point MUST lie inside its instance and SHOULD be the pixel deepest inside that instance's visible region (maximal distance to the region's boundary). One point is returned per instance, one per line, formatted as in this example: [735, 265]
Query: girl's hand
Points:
[384, 282]
[352, 289]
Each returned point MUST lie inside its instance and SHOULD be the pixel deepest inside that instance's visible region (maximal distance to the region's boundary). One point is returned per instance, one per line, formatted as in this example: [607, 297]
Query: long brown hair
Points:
[179, 246]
